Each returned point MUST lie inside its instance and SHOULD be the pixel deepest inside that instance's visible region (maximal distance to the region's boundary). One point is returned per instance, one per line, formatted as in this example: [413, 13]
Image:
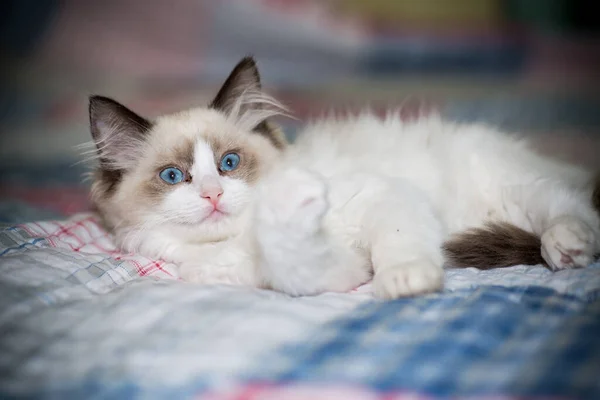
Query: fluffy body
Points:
[353, 198]
[395, 192]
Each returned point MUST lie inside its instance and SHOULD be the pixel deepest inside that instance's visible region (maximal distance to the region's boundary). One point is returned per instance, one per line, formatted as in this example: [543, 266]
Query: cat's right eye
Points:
[172, 175]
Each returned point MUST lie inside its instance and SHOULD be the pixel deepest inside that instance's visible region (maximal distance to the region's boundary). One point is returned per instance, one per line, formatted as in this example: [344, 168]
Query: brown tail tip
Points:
[496, 245]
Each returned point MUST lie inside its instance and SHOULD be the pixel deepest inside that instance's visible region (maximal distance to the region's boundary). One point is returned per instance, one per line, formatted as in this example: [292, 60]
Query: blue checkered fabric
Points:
[487, 341]
[79, 319]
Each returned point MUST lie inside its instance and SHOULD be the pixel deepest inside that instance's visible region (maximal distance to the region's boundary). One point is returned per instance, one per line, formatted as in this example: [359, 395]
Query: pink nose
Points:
[212, 195]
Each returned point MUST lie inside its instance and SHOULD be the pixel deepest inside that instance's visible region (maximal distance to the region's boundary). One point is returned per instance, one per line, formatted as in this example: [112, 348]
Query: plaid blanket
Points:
[79, 319]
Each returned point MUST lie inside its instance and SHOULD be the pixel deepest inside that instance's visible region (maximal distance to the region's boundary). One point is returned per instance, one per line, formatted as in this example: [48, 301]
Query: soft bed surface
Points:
[78, 319]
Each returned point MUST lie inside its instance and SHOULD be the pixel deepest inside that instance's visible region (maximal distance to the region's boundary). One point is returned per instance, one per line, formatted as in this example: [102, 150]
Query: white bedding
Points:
[73, 309]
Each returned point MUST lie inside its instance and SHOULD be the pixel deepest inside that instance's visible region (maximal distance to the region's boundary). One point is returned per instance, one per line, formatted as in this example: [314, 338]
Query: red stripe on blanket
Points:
[85, 234]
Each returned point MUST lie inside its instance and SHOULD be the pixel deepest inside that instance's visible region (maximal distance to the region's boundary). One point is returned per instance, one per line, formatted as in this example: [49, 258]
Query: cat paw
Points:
[294, 199]
[568, 243]
[408, 279]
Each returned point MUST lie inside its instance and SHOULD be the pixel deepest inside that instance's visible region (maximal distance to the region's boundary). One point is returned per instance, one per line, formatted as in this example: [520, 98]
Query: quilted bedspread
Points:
[78, 319]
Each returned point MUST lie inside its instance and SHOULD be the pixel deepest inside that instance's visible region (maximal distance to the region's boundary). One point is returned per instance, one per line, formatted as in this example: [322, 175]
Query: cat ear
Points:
[241, 98]
[242, 81]
[118, 133]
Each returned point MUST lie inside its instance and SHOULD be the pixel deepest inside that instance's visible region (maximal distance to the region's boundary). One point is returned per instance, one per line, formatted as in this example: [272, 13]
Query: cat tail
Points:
[500, 244]
[495, 245]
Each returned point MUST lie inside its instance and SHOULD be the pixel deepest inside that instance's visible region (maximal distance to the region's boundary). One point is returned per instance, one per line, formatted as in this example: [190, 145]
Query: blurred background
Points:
[528, 66]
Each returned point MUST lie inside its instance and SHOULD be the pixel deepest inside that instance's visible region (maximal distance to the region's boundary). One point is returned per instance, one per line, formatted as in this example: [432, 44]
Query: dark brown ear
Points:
[243, 79]
[118, 132]
[242, 94]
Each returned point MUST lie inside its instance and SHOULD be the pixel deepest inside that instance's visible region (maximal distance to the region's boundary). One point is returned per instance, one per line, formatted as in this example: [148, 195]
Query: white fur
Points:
[396, 190]
[299, 254]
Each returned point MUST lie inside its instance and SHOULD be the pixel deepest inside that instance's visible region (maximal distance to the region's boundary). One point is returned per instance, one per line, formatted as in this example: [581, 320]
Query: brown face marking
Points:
[272, 133]
[183, 154]
[109, 179]
[181, 157]
[496, 245]
[248, 168]
[249, 165]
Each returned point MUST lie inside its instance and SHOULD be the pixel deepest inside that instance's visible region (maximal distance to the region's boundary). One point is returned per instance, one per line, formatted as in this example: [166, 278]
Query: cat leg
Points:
[406, 238]
[568, 223]
[297, 255]
[569, 242]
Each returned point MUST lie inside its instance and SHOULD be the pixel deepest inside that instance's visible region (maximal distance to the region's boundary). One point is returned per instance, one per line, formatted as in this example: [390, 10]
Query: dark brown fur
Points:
[245, 76]
[109, 180]
[496, 245]
[103, 110]
[183, 154]
[248, 169]
[181, 157]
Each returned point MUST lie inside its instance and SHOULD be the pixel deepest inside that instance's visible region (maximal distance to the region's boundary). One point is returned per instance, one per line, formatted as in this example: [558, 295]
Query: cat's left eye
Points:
[229, 162]
[172, 175]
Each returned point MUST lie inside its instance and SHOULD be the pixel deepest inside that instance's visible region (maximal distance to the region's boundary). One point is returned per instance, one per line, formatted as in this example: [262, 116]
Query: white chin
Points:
[215, 216]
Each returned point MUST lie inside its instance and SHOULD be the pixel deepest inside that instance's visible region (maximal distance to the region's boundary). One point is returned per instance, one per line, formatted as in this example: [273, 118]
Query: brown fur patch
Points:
[245, 76]
[104, 111]
[248, 168]
[110, 180]
[109, 112]
[181, 157]
[272, 132]
[496, 245]
[154, 188]
[182, 154]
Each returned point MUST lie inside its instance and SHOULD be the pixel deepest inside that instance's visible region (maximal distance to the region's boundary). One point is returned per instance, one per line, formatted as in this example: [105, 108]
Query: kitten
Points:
[218, 191]
[179, 187]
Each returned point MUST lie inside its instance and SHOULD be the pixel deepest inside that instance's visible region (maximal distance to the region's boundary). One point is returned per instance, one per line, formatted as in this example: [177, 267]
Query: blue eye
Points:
[229, 162]
[171, 175]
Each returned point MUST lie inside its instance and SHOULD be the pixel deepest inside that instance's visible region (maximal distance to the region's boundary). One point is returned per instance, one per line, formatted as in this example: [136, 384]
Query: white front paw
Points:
[408, 279]
[294, 200]
[568, 243]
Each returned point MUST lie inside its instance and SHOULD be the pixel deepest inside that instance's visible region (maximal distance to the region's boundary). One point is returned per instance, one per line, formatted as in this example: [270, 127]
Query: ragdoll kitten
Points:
[217, 191]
